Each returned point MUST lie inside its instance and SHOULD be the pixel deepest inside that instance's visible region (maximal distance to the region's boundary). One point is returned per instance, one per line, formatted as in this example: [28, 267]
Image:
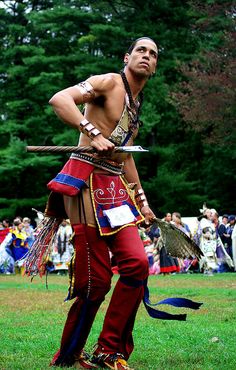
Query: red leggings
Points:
[94, 274]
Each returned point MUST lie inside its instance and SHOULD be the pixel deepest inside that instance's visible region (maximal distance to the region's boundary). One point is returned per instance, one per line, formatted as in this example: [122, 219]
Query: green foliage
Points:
[46, 46]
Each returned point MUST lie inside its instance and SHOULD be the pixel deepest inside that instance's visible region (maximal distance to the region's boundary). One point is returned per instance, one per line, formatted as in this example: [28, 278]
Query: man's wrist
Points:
[88, 129]
[140, 198]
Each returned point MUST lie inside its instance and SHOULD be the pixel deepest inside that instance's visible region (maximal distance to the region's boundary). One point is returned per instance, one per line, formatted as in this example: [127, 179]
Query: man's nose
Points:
[146, 54]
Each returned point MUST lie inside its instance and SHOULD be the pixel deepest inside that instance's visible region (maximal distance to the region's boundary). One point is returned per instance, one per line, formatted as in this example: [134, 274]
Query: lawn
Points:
[32, 318]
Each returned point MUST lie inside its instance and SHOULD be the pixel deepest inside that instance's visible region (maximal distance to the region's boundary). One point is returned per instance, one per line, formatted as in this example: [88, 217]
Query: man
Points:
[222, 229]
[207, 239]
[229, 231]
[104, 200]
[168, 217]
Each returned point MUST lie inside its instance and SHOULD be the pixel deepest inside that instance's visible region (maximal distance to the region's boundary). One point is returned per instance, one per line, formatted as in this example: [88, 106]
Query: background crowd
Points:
[17, 237]
[216, 236]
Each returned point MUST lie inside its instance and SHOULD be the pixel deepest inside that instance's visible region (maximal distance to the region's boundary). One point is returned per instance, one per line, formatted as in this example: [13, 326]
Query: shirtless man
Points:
[106, 211]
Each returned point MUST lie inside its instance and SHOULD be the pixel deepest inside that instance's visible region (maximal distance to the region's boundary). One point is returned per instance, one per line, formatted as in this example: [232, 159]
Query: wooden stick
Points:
[82, 149]
[61, 149]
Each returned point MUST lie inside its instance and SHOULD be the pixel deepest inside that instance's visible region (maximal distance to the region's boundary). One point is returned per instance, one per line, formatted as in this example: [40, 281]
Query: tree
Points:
[206, 98]
[47, 45]
[32, 69]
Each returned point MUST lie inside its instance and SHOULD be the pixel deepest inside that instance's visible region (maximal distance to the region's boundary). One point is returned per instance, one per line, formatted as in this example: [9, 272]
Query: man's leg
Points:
[92, 282]
[116, 335]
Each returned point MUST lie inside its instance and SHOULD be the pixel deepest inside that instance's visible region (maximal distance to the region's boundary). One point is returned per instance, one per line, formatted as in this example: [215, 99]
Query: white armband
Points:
[88, 129]
[141, 198]
[86, 90]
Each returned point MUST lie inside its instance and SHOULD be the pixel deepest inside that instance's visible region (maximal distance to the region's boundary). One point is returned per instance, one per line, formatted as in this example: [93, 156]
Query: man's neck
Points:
[136, 82]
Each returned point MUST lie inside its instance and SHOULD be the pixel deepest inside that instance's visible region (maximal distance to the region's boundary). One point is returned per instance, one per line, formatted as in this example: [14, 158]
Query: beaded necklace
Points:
[134, 107]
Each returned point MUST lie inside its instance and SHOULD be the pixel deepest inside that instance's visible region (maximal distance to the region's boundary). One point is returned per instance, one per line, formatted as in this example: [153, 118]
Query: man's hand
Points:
[148, 214]
[101, 144]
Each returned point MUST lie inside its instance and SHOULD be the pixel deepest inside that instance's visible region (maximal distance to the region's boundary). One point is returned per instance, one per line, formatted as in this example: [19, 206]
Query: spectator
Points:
[206, 236]
[229, 230]
[63, 247]
[176, 220]
[29, 230]
[167, 217]
[168, 264]
[153, 232]
[3, 232]
[234, 247]
[17, 243]
[225, 263]
[6, 223]
[222, 230]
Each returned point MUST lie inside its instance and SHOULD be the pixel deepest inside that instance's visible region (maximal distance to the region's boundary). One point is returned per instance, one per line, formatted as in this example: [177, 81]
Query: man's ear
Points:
[126, 58]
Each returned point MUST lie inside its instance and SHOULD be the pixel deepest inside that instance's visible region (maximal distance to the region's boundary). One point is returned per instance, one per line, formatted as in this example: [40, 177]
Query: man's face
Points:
[168, 217]
[20, 226]
[208, 214]
[143, 59]
[225, 220]
[5, 223]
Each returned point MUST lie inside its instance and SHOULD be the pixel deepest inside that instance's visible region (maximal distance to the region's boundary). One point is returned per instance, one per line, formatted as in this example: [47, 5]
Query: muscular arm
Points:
[131, 175]
[65, 106]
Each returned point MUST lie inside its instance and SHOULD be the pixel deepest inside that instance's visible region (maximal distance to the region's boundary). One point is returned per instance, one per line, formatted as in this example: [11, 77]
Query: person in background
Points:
[222, 230]
[206, 237]
[229, 230]
[233, 236]
[6, 223]
[63, 243]
[167, 217]
[29, 230]
[176, 220]
[15, 246]
[18, 244]
[6, 260]
[153, 232]
[225, 263]
[4, 229]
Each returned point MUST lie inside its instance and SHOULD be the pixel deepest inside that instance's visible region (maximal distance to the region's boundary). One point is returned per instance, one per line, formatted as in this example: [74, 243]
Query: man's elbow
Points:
[55, 99]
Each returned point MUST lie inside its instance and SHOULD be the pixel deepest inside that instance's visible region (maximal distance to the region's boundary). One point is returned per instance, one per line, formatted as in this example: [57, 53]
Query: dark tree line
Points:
[188, 112]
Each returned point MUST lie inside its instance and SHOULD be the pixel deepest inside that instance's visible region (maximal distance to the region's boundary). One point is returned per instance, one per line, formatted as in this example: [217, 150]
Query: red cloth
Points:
[109, 191]
[71, 178]
[127, 247]
[3, 233]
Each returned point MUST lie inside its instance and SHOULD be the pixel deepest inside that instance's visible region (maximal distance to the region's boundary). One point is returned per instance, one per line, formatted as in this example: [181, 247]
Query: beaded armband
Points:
[88, 129]
[141, 198]
[86, 90]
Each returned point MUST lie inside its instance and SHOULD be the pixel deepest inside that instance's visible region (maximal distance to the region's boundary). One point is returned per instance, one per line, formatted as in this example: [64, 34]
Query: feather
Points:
[176, 242]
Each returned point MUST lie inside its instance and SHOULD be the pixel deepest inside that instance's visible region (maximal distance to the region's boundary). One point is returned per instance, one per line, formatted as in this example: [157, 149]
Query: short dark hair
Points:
[132, 46]
[177, 214]
[17, 222]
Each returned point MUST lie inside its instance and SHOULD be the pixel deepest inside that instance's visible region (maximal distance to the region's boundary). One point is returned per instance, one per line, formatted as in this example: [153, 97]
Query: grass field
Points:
[32, 318]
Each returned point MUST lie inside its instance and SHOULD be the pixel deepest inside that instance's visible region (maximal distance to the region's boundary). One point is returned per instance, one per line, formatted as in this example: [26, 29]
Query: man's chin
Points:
[143, 74]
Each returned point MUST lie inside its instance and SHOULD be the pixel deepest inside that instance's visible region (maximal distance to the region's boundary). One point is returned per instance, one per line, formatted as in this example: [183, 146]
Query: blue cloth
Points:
[157, 314]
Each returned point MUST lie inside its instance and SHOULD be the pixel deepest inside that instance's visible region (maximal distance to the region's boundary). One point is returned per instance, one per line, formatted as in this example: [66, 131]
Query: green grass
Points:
[32, 319]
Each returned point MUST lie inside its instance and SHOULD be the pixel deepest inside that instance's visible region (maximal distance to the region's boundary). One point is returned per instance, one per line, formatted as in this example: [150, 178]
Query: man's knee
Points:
[142, 267]
[136, 268]
[95, 289]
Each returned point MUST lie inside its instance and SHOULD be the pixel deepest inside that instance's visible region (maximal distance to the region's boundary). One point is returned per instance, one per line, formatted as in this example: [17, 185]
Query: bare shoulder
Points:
[104, 83]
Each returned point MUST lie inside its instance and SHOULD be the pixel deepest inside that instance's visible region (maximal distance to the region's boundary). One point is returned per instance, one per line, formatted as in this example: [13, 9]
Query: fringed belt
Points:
[104, 163]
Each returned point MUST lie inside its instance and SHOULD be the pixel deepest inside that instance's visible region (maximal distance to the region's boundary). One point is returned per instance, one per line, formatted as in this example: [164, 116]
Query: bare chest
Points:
[106, 111]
